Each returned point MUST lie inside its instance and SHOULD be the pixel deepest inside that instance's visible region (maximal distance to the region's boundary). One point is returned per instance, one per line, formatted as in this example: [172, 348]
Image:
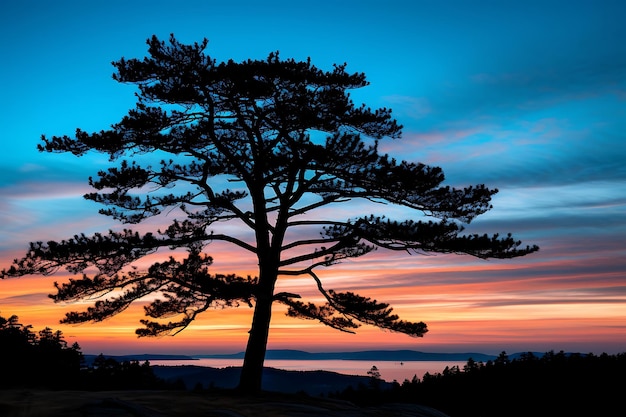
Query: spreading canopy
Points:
[267, 144]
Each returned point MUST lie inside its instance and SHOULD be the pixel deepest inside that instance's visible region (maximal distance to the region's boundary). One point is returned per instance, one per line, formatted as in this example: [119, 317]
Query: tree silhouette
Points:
[43, 359]
[265, 144]
[375, 377]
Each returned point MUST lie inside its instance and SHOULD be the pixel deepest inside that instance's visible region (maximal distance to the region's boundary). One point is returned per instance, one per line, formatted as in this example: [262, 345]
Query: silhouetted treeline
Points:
[556, 384]
[44, 360]
[39, 360]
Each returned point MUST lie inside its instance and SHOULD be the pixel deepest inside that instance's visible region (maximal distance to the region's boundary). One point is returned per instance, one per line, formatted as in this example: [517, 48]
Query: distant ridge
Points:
[368, 355]
[140, 357]
[289, 354]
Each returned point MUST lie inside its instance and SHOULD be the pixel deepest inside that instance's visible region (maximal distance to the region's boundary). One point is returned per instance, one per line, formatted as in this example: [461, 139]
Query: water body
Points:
[389, 370]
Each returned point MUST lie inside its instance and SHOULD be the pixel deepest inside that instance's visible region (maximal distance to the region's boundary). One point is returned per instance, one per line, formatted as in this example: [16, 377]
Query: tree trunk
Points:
[268, 253]
[250, 381]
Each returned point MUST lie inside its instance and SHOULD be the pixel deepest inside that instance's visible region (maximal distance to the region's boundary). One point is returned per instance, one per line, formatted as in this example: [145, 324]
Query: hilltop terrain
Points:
[39, 403]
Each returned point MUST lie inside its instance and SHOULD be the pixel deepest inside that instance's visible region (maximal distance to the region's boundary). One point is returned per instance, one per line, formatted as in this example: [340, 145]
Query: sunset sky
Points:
[525, 96]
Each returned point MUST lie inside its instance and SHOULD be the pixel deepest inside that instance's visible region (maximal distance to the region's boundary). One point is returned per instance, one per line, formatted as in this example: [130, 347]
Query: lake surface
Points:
[389, 370]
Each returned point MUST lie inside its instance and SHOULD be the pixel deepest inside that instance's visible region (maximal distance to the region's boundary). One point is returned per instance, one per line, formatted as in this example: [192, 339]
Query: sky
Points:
[527, 97]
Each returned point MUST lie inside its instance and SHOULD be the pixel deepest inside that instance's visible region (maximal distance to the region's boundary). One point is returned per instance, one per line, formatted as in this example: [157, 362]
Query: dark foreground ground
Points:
[39, 403]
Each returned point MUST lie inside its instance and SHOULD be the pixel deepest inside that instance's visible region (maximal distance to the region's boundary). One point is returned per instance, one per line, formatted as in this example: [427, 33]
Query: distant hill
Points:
[277, 380]
[289, 354]
[368, 355]
[140, 357]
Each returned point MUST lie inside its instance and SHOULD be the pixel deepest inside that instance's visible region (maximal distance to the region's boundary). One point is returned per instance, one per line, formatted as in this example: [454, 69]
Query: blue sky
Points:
[528, 97]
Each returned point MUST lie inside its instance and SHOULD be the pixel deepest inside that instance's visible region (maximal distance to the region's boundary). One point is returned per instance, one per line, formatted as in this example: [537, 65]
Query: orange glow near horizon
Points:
[510, 315]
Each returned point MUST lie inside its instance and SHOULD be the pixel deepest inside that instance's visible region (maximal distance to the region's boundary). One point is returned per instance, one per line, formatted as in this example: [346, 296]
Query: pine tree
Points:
[264, 144]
